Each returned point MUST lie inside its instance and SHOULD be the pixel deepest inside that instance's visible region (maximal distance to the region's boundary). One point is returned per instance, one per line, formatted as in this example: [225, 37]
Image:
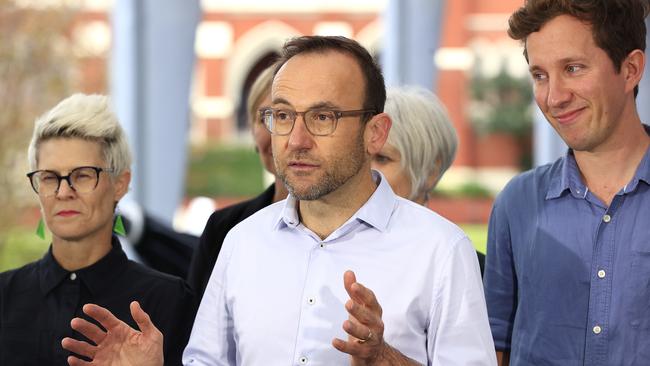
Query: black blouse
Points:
[38, 300]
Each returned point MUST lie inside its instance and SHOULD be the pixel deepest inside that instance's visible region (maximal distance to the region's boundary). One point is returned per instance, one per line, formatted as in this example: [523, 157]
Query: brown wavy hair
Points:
[618, 26]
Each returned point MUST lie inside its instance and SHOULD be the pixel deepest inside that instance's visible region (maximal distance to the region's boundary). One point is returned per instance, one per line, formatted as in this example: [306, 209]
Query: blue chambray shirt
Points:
[567, 279]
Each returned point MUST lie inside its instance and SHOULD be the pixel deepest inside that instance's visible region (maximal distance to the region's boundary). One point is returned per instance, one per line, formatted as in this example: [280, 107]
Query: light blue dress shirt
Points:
[276, 295]
[567, 279]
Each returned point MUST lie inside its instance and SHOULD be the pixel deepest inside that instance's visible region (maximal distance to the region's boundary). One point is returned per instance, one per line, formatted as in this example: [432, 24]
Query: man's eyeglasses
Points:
[319, 122]
[83, 179]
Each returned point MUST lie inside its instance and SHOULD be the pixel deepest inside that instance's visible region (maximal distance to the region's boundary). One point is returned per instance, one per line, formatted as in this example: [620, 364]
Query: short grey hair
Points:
[422, 133]
[87, 117]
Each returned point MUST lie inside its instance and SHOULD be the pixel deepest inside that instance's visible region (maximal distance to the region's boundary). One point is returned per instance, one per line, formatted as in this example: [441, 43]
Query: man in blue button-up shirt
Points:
[567, 276]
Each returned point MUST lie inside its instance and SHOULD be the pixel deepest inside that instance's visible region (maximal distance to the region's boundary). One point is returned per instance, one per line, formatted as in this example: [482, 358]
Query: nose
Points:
[65, 189]
[559, 95]
[300, 138]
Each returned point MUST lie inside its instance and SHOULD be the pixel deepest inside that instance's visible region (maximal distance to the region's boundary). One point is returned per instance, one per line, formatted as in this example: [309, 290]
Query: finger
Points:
[103, 316]
[365, 296]
[88, 329]
[73, 361]
[352, 348]
[361, 314]
[341, 345]
[79, 347]
[348, 279]
[358, 331]
[142, 319]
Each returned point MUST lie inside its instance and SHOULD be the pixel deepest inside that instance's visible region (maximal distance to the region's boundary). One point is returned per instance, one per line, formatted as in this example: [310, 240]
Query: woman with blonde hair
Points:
[80, 163]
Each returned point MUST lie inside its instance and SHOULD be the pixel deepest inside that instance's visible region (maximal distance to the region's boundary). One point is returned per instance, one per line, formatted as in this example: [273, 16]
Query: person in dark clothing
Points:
[82, 170]
[421, 145]
[221, 221]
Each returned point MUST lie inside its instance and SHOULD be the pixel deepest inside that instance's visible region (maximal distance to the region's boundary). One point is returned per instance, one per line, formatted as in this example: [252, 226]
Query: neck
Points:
[75, 254]
[611, 167]
[329, 212]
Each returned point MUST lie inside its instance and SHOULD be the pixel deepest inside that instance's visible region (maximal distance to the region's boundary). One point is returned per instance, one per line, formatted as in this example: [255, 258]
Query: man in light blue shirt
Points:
[567, 275]
[284, 290]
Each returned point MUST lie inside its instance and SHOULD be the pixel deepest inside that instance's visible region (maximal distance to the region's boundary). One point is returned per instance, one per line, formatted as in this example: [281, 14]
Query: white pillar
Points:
[412, 36]
[151, 68]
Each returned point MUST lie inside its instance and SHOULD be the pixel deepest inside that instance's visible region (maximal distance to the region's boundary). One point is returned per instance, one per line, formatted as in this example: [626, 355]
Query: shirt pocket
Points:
[638, 283]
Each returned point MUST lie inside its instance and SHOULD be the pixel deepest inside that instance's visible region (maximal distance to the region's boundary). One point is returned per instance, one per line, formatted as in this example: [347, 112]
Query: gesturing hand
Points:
[364, 326]
[119, 344]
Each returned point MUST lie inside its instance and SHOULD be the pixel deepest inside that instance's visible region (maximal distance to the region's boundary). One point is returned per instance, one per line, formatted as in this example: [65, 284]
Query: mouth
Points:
[67, 213]
[568, 117]
[301, 166]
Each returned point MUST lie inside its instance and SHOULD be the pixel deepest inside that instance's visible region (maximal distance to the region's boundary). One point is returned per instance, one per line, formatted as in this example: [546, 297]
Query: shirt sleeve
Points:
[459, 332]
[212, 339]
[500, 279]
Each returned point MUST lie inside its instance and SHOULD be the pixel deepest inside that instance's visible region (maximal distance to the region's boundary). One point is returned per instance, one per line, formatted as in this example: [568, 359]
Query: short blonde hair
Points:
[87, 117]
[260, 89]
[422, 133]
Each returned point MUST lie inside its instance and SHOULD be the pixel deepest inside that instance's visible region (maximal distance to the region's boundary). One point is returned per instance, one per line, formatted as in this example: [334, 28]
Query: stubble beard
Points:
[337, 172]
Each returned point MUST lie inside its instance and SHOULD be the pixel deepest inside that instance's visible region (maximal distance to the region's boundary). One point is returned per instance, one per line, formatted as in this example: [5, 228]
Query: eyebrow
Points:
[317, 105]
[562, 61]
[533, 68]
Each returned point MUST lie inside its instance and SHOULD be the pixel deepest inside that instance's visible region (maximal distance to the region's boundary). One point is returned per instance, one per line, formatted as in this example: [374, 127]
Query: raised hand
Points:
[364, 325]
[119, 344]
[365, 329]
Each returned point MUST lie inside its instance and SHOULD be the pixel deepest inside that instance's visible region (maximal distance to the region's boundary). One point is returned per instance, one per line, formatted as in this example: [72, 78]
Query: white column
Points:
[151, 70]
[412, 36]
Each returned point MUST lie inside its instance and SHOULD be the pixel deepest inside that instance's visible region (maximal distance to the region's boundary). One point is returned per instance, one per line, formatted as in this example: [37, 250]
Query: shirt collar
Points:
[376, 212]
[96, 276]
[642, 173]
[569, 177]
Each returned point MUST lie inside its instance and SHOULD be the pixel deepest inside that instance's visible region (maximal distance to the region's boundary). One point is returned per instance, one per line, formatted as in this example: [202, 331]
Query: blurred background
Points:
[179, 72]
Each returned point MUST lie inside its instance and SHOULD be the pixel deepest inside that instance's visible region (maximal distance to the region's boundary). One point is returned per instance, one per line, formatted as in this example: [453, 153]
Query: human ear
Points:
[376, 132]
[122, 184]
[632, 68]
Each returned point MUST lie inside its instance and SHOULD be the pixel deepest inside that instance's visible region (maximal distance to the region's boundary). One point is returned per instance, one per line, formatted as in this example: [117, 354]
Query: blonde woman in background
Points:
[80, 163]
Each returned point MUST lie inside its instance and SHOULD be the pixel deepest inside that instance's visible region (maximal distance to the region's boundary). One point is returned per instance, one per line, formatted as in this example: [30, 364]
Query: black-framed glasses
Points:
[319, 122]
[83, 179]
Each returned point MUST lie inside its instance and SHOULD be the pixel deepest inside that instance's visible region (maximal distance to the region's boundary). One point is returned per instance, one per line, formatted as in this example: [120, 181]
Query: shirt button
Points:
[597, 329]
[311, 301]
[303, 360]
[601, 273]
[73, 276]
[322, 245]
[607, 218]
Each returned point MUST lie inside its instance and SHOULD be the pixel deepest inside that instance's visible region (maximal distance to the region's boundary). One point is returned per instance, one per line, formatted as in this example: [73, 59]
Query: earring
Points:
[40, 229]
[118, 227]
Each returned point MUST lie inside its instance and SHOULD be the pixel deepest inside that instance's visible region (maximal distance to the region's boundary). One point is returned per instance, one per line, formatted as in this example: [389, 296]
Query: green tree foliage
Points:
[501, 104]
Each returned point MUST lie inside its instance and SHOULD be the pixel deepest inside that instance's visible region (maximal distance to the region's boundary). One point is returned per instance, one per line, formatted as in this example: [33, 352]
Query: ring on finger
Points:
[368, 337]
